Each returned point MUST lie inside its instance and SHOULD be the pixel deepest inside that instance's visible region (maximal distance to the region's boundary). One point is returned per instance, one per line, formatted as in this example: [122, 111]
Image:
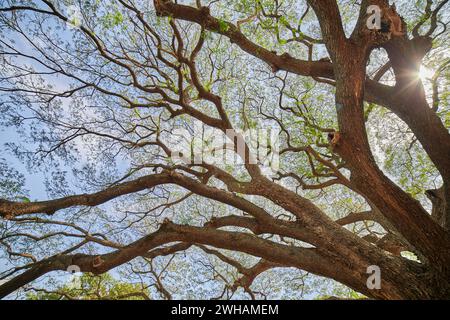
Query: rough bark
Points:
[335, 252]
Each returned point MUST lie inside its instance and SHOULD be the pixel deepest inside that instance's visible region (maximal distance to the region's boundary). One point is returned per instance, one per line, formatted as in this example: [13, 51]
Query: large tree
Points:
[100, 88]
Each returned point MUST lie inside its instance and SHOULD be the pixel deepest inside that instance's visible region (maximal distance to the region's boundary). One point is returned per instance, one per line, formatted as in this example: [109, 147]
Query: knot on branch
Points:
[392, 22]
[97, 262]
[333, 138]
[160, 7]
[389, 25]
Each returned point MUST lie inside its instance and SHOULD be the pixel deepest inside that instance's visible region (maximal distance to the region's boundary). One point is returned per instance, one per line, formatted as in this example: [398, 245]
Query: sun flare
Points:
[425, 73]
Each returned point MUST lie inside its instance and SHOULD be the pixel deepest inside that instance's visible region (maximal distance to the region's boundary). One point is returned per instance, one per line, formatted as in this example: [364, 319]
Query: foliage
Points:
[92, 287]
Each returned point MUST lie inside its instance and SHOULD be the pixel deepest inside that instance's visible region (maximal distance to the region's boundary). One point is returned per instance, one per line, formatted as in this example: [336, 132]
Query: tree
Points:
[102, 287]
[104, 89]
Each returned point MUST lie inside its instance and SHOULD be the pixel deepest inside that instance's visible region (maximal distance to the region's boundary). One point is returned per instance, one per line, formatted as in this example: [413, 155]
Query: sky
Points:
[35, 180]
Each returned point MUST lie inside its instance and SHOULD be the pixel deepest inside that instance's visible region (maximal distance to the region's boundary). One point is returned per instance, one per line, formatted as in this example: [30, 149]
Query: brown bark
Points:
[405, 213]
[335, 252]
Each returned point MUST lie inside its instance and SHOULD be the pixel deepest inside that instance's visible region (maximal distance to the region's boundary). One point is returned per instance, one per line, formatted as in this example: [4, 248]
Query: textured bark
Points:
[334, 251]
[405, 213]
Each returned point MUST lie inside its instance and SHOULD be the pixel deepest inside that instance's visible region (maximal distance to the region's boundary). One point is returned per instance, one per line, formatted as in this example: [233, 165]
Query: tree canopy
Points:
[219, 149]
[89, 287]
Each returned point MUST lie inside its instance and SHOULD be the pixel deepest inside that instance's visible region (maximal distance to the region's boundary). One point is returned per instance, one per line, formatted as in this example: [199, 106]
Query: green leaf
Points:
[24, 199]
[223, 26]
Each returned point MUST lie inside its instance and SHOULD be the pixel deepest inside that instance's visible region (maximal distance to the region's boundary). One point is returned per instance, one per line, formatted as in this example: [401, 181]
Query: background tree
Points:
[90, 287]
[99, 91]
